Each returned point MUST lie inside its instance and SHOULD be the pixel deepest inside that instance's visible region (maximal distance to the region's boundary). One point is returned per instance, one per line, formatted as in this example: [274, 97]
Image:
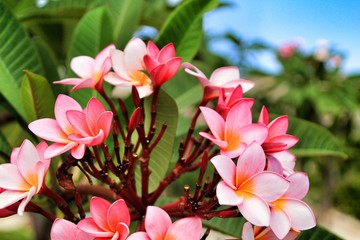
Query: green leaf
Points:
[126, 17]
[92, 34]
[228, 226]
[37, 97]
[5, 148]
[17, 53]
[314, 140]
[184, 27]
[317, 233]
[167, 113]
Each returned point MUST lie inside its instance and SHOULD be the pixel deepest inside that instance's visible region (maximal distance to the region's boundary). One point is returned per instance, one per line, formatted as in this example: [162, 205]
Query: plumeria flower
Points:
[158, 226]
[64, 229]
[226, 102]
[162, 64]
[278, 142]
[225, 77]
[247, 186]
[129, 66]
[73, 128]
[91, 71]
[289, 211]
[234, 133]
[261, 233]
[23, 177]
[108, 221]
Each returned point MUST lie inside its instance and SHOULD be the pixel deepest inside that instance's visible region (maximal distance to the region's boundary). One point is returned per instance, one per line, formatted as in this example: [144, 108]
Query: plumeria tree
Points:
[130, 127]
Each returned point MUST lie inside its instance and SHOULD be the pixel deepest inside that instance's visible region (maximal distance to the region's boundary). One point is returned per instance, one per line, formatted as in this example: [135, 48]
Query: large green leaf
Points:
[17, 53]
[228, 226]
[92, 34]
[167, 113]
[37, 97]
[317, 233]
[314, 140]
[126, 17]
[5, 148]
[184, 27]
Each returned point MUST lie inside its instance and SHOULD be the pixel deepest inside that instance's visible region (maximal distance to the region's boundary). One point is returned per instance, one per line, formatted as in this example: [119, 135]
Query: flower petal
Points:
[251, 162]
[78, 120]
[222, 144]
[139, 236]
[157, 222]
[89, 226]
[279, 222]
[166, 53]
[253, 132]
[99, 208]
[192, 70]
[58, 148]
[83, 66]
[48, 129]
[224, 74]
[215, 122]
[102, 56]
[9, 197]
[11, 178]
[78, 151]
[186, 228]
[268, 185]
[227, 195]
[278, 126]
[255, 210]
[122, 230]
[63, 229]
[28, 158]
[62, 105]
[133, 54]
[118, 213]
[299, 185]
[26, 200]
[247, 232]
[226, 169]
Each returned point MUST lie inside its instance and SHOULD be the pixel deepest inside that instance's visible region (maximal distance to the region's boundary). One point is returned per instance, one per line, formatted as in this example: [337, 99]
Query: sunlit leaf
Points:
[317, 233]
[37, 97]
[183, 27]
[17, 53]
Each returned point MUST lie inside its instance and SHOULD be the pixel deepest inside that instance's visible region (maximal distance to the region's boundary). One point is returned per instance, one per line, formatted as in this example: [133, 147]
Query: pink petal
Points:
[80, 139]
[227, 195]
[173, 66]
[89, 226]
[264, 116]
[13, 156]
[236, 147]
[78, 120]
[246, 85]
[40, 148]
[86, 83]
[58, 148]
[157, 222]
[220, 143]
[247, 232]
[104, 122]
[279, 222]
[255, 210]
[9, 197]
[278, 126]
[12, 179]
[214, 121]
[300, 214]
[273, 165]
[268, 185]
[253, 132]
[63, 229]
[48, 129]
[181, 228]
[299, 185]
[27, 161]
[83, 66]
[226, 169]
[116, 80]
[102, 56]
[152, 49]
[26, 200]
[150, 62]
[122, 230]
[166, 53]
[78, 151]
[118, 213]
[139, 236]
[286, 139]
[69, 81]
[238, 117]
[144, 91]
[197, 73]
[40, 175]
[99, 208]
[158, 75]
[224, 74]
[251, 162]
[93, 111]
[62, 105]
[118, 64]
[133, 54]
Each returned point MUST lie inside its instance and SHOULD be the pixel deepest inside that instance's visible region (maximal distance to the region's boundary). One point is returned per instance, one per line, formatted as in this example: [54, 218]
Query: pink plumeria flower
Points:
[158, 226]
[289, 211]
[73, 128]
[247, 186]
[129, 66]
[234, 133]
[226, 102]
[278, 142]
[108, 221]
[162, 64]
[261, 233]
[225, 77]
[91, 71]
[64, 229]
[23, 177]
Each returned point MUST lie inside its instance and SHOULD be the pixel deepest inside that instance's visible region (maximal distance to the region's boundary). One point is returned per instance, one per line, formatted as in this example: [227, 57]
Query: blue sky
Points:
[281, 21]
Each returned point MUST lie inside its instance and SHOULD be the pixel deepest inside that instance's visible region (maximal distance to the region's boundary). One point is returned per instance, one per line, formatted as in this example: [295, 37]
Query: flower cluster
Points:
[254, 174]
